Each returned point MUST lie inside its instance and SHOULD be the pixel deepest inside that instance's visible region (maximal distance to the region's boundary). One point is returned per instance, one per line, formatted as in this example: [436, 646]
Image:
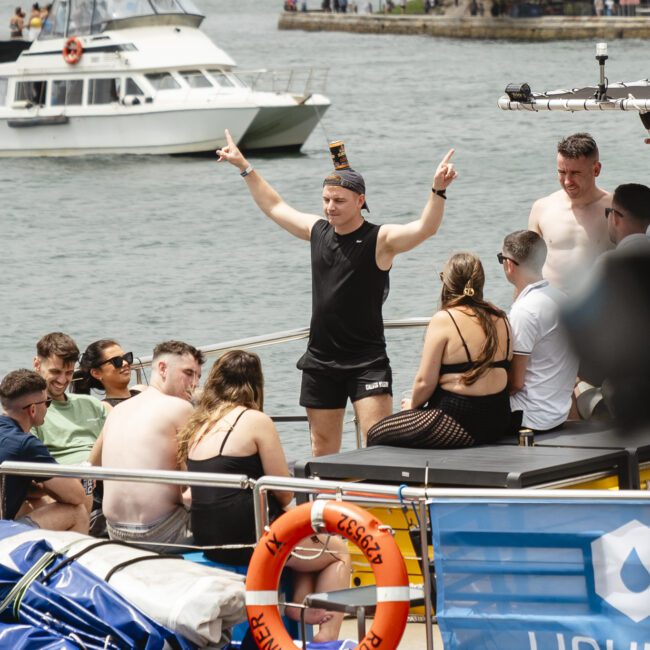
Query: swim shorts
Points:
[172, 529]
[330, 388]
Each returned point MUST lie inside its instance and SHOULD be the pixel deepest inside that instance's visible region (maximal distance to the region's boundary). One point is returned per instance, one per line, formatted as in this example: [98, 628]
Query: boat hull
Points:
[121, 130]
[283, 125]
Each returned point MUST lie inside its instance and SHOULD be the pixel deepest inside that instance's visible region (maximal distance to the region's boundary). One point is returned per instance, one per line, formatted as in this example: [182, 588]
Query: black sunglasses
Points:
[609, 211]
[118, 361]
[47, 403]
[501, 257]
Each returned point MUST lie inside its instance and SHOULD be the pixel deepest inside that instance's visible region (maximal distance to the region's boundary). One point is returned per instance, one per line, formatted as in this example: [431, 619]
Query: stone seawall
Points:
[546, 28]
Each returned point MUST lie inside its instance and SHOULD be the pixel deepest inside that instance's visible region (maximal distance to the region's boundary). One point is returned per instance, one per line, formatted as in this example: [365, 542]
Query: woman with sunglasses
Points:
[460, 396]
[229, 433]
[106, 367]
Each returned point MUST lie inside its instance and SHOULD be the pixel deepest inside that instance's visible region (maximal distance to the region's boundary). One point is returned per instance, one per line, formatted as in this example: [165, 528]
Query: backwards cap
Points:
[350, 180]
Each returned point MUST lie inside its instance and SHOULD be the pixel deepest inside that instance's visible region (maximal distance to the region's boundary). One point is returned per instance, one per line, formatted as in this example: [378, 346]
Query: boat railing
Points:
[140, 364]
[303, 81]
[366, 493]
[285, 336]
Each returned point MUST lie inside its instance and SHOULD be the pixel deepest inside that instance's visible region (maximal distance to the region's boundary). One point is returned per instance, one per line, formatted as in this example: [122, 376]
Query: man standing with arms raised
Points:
[141, 434]
[571, 220]
[350, 258]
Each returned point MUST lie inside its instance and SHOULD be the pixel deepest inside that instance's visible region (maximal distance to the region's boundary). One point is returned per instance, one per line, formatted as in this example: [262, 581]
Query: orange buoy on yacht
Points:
[72, 50]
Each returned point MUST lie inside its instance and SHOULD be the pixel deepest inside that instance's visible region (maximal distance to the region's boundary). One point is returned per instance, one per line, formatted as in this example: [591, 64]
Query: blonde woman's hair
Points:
[235, 379]
[462, 285]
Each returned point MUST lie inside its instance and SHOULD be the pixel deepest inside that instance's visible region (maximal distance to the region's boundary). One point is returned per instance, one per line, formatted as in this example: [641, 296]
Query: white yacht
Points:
[139, 77]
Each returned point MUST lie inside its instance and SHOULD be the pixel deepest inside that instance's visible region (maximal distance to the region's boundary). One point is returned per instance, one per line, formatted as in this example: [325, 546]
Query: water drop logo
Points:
[621, 561]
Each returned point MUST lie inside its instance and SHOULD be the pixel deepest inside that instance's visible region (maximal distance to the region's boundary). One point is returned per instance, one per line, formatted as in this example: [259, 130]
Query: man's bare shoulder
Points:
[550, 200]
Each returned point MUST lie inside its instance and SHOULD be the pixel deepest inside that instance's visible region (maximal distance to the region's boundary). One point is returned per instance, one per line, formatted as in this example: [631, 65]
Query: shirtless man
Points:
[56, 503]
[571, 220]
[141, 434]
[346, 354]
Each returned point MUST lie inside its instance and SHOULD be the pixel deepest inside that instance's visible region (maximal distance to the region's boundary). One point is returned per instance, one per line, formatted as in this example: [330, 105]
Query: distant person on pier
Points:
[351, 258]
[35, 22]
[55, 503]
[142, 434]
[460, 395]
[230, 434]
[571, 220]
[17, 24]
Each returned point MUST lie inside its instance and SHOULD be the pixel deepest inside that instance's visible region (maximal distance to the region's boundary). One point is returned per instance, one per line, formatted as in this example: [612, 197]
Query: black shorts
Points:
[330, 388]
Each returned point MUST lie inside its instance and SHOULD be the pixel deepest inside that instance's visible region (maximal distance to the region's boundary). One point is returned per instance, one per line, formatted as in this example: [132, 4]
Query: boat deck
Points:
[414, 636]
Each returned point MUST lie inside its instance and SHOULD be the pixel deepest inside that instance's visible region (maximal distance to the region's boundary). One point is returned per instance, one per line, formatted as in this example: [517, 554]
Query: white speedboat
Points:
[140, 77]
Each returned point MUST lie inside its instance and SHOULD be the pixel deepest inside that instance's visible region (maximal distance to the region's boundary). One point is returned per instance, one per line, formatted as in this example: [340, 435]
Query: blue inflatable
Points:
[47, 600]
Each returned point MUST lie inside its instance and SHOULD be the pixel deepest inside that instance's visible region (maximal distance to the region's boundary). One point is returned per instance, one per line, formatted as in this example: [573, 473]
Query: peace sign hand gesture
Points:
[445, 173]
[231, 153]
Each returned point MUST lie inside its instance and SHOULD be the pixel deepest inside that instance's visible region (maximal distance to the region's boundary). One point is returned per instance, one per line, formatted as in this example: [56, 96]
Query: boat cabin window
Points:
[167, 7]
[82, 17]
[31, 91]
[102, 91]
[162, 81]
[67, 92]
[220, 79]
[132, 88]
[195, 79]
[3, 90]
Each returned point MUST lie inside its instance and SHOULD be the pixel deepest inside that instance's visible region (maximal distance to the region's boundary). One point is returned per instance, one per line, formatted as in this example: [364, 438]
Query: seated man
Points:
[543, 371]
[60, 503]
[628, 220]
[73, 422]
[141, 434]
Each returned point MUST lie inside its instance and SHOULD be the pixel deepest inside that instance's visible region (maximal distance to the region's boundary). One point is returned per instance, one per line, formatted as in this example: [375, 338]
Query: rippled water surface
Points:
[145, 249]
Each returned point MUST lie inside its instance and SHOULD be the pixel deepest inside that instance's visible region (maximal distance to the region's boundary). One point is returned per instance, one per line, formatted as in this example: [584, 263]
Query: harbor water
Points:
[143, 249]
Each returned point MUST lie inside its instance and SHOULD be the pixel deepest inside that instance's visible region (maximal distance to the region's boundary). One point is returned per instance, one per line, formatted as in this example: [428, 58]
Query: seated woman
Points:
[105, 366]
[460, 395]
[230, 434]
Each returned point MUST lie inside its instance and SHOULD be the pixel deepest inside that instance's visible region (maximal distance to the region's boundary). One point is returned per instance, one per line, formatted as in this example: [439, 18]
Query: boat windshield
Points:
[81, 17]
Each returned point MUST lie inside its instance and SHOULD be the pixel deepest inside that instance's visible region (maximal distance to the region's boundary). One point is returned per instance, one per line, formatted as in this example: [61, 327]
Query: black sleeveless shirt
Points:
[348, 290]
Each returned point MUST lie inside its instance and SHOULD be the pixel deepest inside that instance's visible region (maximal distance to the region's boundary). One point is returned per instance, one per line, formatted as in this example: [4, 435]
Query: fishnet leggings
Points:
[420, 429]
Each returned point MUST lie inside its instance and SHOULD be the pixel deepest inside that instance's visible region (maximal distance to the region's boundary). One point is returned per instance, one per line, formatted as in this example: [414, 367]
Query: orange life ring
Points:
[353, 523]
[72, 50]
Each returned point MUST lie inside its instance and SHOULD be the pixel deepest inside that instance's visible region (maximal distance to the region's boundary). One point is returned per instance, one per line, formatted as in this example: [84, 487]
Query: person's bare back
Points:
[141, 434]
[572, 220]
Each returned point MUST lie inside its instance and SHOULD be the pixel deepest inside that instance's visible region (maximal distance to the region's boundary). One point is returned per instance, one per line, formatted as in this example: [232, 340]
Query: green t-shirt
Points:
[71, 427]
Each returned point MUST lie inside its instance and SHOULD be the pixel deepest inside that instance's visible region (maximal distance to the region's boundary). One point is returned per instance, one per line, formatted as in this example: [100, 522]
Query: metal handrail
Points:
[336, 489]
[284, 336]
[170, 477]
[282, 79]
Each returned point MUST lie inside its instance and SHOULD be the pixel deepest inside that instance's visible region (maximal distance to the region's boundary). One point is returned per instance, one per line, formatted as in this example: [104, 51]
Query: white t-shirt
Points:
[552, 367]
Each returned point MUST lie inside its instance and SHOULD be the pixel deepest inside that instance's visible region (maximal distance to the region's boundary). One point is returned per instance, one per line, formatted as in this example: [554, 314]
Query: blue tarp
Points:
[74, 603]
[542, 575]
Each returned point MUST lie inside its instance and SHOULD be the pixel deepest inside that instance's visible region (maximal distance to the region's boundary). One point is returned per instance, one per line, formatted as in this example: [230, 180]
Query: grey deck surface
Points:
[498, 466]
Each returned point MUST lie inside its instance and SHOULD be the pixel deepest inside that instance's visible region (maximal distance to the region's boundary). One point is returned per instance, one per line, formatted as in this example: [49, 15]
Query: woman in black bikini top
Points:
[460, 395]
[229, 433]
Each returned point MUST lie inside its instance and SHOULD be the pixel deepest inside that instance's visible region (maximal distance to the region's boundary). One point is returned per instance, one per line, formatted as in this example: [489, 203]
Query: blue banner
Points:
[517, 574]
